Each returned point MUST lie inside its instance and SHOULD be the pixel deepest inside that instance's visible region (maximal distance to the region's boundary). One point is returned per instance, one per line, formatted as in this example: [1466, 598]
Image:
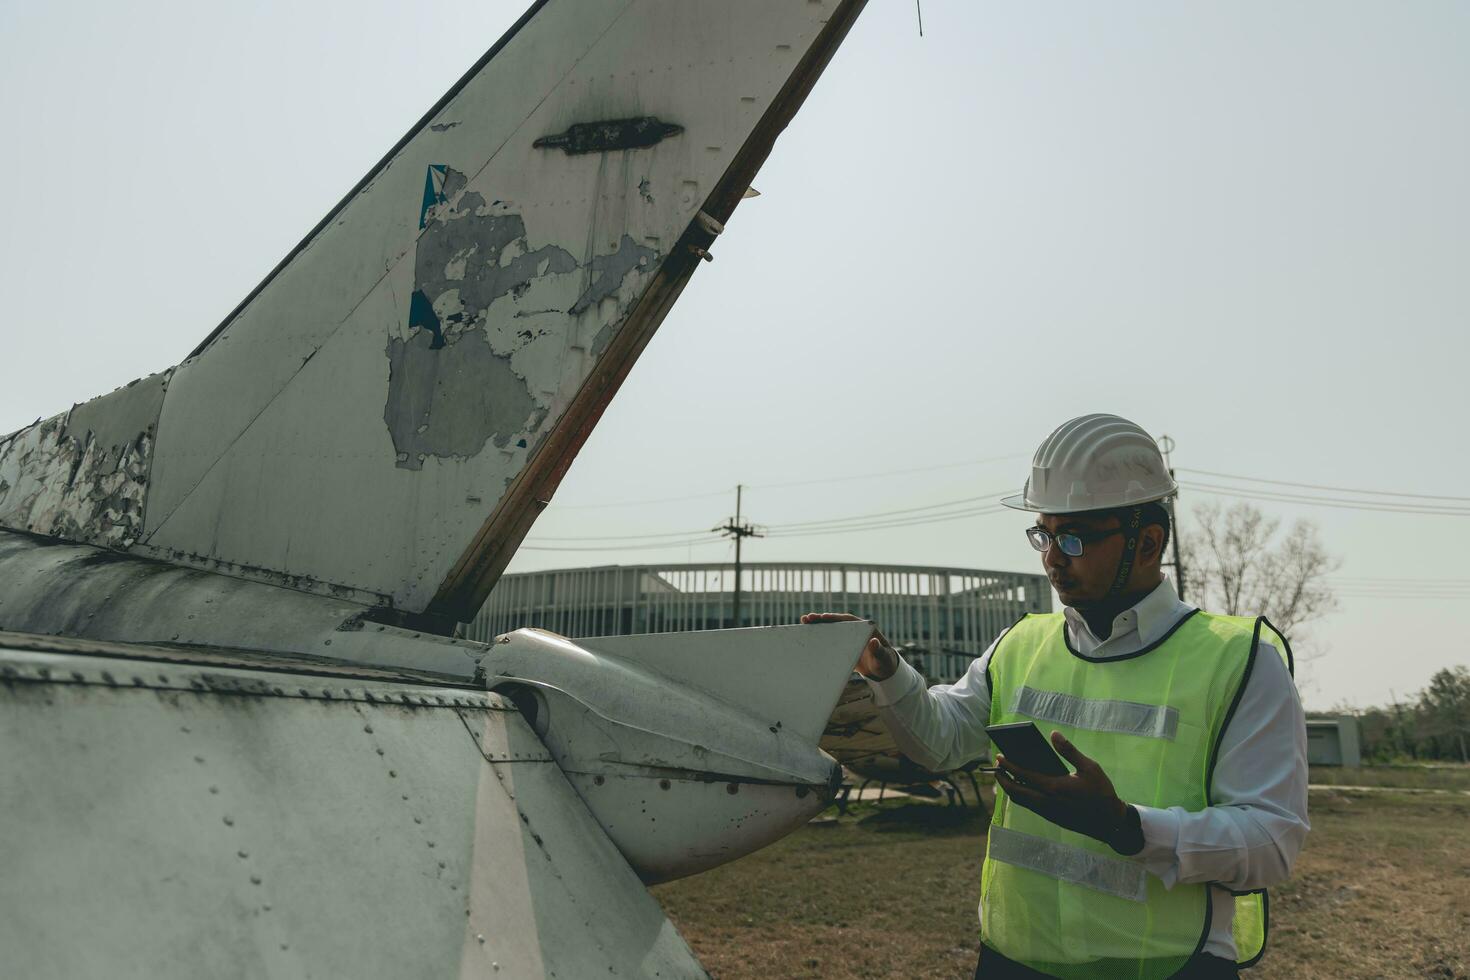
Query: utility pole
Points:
[1167, 445]
[1398, 714]
[733, 528]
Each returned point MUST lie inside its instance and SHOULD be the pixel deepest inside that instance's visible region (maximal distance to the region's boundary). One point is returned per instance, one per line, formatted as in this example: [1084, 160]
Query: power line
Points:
[1318, 486]
[1287, 495]
[909, 470]
[1400, 584]
[1459, 592]
[621, 537]
[642, 503]
[888, 513]
[901, 471]
[1387, 587]
[1339, 503]
[692, 543]
[886, 525]
[896, 522]
[793, 529]
[904, 471]
[1396, 578]
[1406, 595]
[921, 515]
[877, 520]
[1404, 592]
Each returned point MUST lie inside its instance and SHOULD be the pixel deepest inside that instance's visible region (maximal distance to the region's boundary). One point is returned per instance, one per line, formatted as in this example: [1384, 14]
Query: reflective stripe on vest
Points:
[1063, 903]
[1112, 876]
[1123, 717]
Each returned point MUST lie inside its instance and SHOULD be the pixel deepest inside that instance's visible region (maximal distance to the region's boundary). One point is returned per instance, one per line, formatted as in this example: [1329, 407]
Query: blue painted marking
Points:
[433, 190]
[421, 314]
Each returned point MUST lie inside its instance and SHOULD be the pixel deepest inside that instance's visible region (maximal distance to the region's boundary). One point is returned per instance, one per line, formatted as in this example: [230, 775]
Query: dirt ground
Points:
[1382, 890]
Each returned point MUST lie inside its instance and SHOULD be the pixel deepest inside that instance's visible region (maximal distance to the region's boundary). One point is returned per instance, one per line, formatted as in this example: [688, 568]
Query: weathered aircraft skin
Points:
[83, 475]
[384, 416]
[679, 751]
[665, 717]
[240, 736]
[187, 820]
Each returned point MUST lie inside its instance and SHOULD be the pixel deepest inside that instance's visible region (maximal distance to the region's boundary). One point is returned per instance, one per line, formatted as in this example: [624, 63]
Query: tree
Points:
[1237, 564]
[1444, 707]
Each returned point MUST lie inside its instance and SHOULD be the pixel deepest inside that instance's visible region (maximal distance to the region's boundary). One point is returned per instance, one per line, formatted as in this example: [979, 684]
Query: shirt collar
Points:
[1149, 618]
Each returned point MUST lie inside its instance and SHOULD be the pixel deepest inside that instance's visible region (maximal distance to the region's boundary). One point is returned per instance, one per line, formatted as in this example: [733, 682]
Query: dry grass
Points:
[1439, 776]
[890, 893]
[1382, 890]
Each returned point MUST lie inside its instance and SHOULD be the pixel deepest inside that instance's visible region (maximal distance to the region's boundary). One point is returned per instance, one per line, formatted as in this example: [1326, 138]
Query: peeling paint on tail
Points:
[452, 401]
[452, 388]
[609, 271]
[83, 475]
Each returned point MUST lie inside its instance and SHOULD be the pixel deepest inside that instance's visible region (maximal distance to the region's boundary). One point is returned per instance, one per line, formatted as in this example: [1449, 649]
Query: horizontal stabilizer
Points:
[788, 674]
[690, 749]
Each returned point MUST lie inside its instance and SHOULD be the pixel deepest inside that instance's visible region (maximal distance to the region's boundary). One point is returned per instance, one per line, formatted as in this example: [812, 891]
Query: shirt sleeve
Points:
[940, 727]
[1250, 836]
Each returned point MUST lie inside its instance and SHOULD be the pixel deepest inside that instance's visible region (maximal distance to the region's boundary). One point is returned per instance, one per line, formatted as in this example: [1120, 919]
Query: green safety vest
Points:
[1068, 905]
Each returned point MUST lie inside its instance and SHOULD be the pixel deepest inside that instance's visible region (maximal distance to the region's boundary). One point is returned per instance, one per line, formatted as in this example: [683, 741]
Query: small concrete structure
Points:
[1334, 742]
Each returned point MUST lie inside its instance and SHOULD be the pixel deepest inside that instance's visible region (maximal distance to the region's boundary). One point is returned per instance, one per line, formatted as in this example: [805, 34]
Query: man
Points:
[1189, 791]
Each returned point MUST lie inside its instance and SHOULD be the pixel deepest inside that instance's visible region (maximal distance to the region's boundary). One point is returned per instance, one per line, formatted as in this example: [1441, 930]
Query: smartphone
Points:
[1023, 744]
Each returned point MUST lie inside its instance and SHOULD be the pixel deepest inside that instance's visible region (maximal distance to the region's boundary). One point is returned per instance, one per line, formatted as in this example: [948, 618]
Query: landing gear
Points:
[842, 798]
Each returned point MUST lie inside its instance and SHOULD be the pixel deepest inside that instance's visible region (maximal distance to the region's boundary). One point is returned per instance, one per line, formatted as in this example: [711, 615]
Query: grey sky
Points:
[1243, 224]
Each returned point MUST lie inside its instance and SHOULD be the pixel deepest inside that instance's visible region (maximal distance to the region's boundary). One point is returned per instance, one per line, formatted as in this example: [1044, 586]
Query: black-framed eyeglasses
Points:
[1070, 542]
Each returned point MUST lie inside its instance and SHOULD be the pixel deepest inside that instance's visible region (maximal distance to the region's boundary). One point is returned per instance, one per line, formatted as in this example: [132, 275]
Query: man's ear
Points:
[1151, 544]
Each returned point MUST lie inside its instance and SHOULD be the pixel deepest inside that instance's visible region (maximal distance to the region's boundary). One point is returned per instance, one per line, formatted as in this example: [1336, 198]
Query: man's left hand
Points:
[1084, 802]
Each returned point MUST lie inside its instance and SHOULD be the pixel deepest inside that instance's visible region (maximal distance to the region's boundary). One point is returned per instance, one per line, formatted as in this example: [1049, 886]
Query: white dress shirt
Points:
[1251, 835]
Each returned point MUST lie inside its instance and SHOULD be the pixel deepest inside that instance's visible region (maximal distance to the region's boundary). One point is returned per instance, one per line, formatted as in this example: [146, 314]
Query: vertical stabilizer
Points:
[385, 415]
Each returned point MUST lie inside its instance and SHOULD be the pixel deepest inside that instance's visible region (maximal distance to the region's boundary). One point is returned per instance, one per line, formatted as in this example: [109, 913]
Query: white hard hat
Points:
[1095, 462]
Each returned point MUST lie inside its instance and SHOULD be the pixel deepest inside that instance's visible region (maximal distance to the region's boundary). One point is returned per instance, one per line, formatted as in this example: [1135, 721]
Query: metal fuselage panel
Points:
[173, 820]
[689, 749]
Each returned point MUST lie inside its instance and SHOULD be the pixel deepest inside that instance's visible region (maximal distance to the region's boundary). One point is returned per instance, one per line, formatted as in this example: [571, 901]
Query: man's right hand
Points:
[879, 660]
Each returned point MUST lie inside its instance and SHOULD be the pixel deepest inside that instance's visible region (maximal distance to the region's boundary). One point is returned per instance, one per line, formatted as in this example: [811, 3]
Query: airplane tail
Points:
[384, 416]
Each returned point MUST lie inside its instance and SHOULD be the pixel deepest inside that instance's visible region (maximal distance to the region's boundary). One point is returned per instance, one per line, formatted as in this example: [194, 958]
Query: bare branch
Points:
[1239, 565]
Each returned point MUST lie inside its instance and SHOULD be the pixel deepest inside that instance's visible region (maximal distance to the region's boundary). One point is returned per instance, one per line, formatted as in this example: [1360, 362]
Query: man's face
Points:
[1084, 580]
